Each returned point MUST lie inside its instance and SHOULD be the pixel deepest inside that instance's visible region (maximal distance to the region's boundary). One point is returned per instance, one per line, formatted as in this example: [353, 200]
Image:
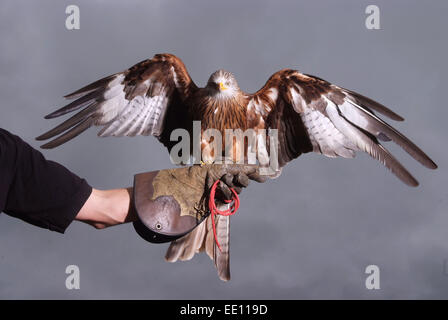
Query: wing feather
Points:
[70, 134]
[312, 114]
[376, 126]
[137, 101]
[84, 101]
[366, 144]
[365, 101]
[66, 125]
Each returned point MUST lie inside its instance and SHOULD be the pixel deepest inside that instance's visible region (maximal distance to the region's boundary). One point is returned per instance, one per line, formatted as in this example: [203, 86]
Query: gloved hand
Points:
[172, 202]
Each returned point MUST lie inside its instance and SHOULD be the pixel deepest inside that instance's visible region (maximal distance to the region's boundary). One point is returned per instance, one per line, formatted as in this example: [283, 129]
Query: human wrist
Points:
[117, 206]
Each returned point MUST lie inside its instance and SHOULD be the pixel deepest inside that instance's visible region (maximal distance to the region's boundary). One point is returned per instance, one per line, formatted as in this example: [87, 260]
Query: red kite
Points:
[157, 95]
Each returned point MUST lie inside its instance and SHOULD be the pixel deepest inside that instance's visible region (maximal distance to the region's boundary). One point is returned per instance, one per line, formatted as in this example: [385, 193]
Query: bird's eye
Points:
[227, 83]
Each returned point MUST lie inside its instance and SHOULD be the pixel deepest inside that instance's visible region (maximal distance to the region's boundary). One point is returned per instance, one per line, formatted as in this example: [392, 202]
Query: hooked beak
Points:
[222, 87]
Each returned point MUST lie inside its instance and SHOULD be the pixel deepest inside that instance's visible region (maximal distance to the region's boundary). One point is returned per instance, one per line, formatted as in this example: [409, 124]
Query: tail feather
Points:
[186, 247]
[221, 257]
[202, 239]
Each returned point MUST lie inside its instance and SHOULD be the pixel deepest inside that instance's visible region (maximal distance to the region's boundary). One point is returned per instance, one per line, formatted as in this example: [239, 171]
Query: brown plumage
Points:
[157, 95]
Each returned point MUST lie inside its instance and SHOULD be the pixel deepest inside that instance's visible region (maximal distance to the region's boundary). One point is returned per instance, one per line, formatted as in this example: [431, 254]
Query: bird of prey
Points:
[157, 95]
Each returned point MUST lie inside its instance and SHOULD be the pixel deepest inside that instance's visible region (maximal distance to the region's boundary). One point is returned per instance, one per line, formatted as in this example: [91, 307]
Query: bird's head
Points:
[222, 84]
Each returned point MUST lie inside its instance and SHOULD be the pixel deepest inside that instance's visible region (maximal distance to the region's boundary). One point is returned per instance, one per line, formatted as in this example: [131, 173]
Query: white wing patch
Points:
[141, 116]
[114, 101]
[325, 137]
[360, 141]
[176, 82]
[118, 80]
[351, 112]
[298, 102]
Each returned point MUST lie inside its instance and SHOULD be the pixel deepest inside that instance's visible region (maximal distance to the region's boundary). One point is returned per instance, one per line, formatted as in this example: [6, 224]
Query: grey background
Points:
[309, 234]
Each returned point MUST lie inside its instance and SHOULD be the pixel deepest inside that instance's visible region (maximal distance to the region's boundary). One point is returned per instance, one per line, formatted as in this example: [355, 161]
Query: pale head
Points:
[223, 84]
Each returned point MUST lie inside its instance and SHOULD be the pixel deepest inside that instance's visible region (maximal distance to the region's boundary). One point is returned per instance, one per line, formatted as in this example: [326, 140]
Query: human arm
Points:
[36, 190]
[105, 208]
[46, 194]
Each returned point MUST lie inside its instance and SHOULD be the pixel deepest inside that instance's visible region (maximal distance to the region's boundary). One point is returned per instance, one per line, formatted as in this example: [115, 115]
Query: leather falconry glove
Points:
[170, 203]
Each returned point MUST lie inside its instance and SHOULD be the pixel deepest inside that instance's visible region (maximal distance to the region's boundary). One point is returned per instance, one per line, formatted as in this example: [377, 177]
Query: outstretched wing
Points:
[147, 99]
[312, 114]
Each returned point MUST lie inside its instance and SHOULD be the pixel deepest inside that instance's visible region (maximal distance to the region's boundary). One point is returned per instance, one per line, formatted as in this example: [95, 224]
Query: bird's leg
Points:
[207, 158]
[203, 163]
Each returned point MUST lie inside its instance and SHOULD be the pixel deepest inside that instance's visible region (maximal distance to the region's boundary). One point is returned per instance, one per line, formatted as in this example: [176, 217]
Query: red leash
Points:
[214, 210]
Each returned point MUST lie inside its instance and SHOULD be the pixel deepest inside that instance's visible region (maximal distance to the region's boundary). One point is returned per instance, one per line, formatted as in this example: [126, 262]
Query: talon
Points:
[206, 162]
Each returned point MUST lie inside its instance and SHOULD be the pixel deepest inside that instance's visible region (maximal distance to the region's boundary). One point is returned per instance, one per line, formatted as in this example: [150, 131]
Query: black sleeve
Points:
[38, 191]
